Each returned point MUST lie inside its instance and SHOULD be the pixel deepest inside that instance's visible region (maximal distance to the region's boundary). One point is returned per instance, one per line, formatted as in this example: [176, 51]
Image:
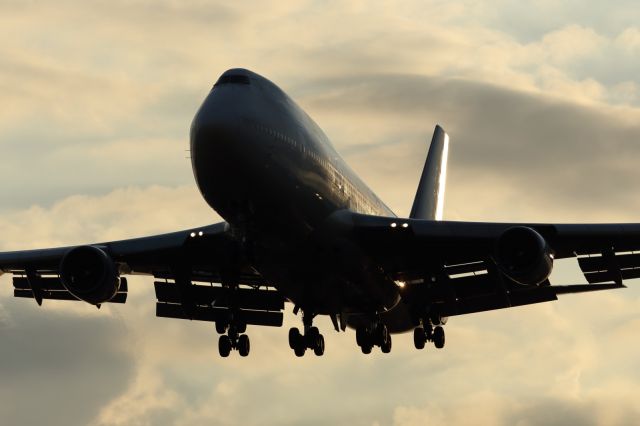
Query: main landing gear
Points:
[428, 333]
[233, 339]
[311, 339]
[374, 335]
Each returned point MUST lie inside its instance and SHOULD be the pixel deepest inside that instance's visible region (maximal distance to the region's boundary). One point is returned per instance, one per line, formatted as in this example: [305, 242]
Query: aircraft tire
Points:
[299, 350]
[381, 334]
[221, 327]
[294, 338]
[224, 346]
[361, 336]
[419, 337]
[438, 337]
[319, 347]
[386, 345]
[244, 345]
[366, 349]
[311, 337]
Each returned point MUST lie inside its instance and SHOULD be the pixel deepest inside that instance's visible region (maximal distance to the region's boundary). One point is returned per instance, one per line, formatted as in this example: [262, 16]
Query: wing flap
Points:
[610, 266]
[203, 313]
[489, 302]
[62, 295]
[201, 295]
[513, 298]
[45, 283]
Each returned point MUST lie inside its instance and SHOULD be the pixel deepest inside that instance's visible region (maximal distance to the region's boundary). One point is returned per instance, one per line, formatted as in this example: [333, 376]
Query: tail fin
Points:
[429, 201]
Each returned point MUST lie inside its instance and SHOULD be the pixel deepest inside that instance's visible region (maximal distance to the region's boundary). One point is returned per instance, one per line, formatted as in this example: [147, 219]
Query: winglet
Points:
[429, 201]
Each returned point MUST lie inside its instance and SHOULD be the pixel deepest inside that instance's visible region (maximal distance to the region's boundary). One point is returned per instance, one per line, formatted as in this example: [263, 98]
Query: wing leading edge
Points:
[190, 266]
[453, 265]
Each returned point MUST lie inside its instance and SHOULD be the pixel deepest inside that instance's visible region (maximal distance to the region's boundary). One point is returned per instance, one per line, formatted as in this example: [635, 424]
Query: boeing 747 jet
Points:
[301, 228]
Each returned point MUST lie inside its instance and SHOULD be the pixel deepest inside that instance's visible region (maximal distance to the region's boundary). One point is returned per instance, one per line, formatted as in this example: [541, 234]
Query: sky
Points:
[542, 104]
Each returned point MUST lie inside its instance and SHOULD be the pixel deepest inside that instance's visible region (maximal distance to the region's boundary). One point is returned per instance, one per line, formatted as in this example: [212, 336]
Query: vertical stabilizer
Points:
[429, 201]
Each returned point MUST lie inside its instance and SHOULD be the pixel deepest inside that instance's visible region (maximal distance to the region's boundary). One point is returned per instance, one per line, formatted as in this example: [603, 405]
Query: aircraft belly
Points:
[328, 276]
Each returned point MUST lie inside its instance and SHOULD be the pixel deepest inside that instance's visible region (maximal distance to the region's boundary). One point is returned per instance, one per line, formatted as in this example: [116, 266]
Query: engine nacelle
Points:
[89, 274]
[524, 256]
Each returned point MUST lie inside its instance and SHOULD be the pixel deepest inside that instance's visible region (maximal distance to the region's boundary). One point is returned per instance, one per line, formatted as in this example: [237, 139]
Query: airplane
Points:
[300, 227]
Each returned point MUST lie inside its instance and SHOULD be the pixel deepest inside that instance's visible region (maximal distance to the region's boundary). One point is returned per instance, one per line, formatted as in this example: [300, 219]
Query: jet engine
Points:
[89, 274]
[524, 256]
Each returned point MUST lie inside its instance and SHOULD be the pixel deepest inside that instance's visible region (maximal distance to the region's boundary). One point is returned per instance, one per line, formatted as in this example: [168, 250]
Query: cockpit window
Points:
[232, 79]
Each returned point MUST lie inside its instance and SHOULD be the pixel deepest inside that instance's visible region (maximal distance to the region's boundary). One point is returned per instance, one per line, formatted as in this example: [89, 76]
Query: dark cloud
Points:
[549, 149]
[61, 367]
[554, 413]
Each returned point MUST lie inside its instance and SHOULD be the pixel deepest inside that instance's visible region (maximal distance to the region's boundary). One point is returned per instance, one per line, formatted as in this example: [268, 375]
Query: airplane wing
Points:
[188, 266]
[458, 265]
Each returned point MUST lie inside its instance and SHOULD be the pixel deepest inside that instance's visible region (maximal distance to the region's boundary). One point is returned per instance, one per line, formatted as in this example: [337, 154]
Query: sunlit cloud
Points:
[541, 102]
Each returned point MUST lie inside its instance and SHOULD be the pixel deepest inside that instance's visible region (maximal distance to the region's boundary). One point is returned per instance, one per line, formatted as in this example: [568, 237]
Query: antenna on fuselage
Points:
[429, 201]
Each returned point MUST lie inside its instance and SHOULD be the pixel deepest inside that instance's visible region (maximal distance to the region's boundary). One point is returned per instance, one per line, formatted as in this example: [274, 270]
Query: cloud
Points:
[129, 76]
[167, 371]
[123, 213]
[61, 367]
[506, 144]
[97, 101]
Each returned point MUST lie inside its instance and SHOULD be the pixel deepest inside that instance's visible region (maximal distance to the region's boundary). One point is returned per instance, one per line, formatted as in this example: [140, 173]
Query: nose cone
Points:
[238, 76]
[234, 96]
[224, 106]
[220, 133]
[242, 76]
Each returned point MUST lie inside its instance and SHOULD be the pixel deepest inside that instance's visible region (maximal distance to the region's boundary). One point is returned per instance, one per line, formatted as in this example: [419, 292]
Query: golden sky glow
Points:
[542, 105]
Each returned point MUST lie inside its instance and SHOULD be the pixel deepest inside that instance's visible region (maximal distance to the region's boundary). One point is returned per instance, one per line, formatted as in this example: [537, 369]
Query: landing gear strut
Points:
[374, 335]
[311, 339]
[232, 328]
[233, 339]
[427, 333]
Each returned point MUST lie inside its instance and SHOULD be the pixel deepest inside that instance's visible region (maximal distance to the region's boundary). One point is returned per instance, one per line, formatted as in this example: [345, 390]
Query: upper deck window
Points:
[232, 79]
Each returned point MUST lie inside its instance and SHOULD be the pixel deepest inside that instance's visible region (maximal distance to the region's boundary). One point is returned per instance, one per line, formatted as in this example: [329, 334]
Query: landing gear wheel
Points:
[319, 347]
[366, 349]
[381, 334]
[224, 346]
[362, 336]
[438, 337]
[243, 345]
[294, 338]
[311, 337]
[221, 327]
[299, 350]
[419, 337]
[386, 345]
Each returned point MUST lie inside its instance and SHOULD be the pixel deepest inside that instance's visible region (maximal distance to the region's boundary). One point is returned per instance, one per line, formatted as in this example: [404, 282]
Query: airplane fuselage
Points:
[263, 164]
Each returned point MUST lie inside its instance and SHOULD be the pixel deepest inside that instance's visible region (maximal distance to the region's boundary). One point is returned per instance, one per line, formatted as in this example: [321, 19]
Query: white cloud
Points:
[500, 366]
[84, 83]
